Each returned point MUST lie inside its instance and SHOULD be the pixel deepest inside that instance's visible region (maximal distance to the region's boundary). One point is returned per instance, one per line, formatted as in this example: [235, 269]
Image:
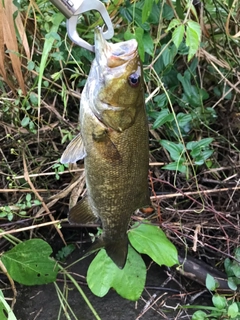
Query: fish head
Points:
[118, 92]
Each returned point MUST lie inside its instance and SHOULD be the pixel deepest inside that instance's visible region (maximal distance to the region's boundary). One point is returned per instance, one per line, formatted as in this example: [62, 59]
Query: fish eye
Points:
[134, 79]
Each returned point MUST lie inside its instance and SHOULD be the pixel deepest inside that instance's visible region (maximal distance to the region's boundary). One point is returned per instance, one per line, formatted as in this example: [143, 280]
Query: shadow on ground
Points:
[164, 294]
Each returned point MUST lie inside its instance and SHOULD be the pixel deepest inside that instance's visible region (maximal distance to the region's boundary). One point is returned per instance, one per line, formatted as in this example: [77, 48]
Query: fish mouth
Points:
[113, 54]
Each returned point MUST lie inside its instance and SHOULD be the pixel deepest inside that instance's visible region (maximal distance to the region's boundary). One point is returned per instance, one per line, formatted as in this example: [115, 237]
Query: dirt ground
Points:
[164, 294]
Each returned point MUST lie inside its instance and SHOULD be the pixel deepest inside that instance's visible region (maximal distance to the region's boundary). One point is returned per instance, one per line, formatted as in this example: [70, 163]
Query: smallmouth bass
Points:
[113, 141]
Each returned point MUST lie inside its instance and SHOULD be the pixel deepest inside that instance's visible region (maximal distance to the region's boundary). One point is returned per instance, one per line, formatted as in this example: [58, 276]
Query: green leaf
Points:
[163, 117]
[148, 43]
[161, 100]
[176, 166]
[65, 251]
[25, 121]
[6, 312]
[201, 158]
[139, 36]
[174, 23]
[152, 241]
[211, 283]
[33, 98]
[167, 13]
[193, 36]
[199, 315]
[219, 302]
[177, 35]
[236, 269]
[237, 253]
[29, 263]
[233, 310]
[167, 56]
[197, 146]
[183, 119]
[176, 150]
[146, 10]
[179, 9]
[30, 65]
[195, 26]
[28, 197]
[129, 282]
[48, 44]
[230, 2]
[232, 283]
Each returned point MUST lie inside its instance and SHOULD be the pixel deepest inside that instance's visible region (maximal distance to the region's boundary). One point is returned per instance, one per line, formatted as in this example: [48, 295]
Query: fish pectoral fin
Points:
[81, 213]
[116, 250]
[74, 151]
[105, 146]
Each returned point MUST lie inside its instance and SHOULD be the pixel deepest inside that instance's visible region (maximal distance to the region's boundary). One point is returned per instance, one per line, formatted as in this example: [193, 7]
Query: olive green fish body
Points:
[114, 141]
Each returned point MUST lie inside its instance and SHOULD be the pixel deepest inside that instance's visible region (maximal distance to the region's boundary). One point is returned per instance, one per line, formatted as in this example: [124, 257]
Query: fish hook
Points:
[71, 9]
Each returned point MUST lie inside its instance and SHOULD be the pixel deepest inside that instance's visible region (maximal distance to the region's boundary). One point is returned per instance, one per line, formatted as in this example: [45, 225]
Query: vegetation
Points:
[190, 53]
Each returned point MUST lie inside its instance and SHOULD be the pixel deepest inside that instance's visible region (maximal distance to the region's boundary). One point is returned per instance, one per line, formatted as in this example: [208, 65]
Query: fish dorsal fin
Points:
[82, 213]
[74, 151]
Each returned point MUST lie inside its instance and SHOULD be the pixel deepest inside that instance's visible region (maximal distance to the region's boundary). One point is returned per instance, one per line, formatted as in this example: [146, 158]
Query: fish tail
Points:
[116, 250]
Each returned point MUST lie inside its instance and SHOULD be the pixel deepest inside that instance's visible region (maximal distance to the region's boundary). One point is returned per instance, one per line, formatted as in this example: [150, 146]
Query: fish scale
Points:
[114, 143]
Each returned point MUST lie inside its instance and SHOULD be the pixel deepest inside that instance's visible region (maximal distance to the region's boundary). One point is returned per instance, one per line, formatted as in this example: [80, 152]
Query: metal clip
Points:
[73, 8]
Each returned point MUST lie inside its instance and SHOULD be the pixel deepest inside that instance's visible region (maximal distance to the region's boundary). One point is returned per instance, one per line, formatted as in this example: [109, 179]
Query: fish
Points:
[114, 143]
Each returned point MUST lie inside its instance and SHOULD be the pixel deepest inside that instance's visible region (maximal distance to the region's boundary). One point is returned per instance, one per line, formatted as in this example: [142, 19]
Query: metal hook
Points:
[73, 8]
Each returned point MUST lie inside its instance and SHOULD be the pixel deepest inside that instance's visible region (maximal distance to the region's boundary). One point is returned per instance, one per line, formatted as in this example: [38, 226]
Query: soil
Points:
[161, 299]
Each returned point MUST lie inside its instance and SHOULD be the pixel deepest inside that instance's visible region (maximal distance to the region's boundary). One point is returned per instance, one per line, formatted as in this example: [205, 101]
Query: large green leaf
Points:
[151, 240]
[129, 282]
[29, 263]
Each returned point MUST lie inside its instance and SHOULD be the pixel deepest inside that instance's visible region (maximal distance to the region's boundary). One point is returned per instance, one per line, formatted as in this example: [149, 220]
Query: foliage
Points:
[232, 268]
[223, 307]
[6, 312]
[65, 252]
[20, 208]
[28, 268]
[129, 282]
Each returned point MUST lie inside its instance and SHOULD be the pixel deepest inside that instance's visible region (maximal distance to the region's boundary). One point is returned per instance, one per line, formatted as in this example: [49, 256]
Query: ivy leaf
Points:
[129, 282]
[152, 241]
[29, 263]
